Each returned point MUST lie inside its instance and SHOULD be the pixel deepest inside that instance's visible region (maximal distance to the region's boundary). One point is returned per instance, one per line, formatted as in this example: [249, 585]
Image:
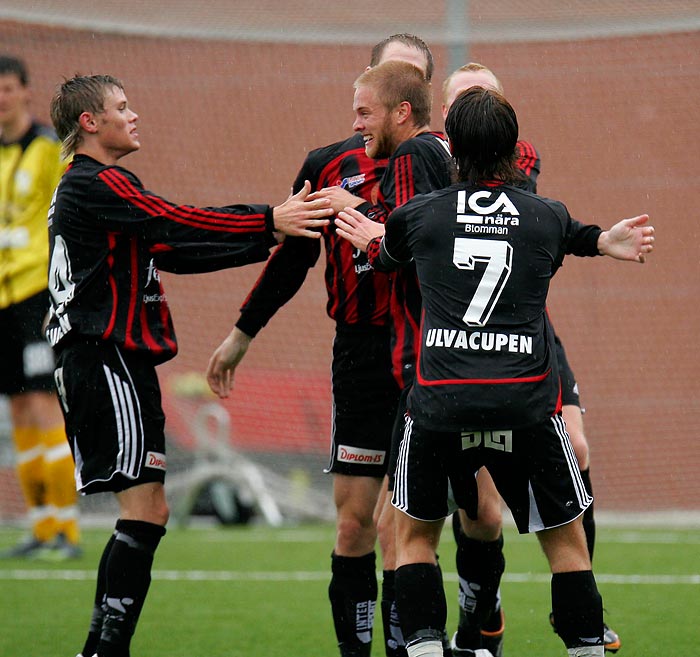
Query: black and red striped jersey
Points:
[529, 164]
[357, 294]
[108, 238]
[484, 257]
[419, 165]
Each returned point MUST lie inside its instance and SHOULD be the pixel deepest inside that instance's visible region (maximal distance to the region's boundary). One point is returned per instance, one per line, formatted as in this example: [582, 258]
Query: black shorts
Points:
[534, 468]
[114, 419]
[569, 387]
[26, 357]
[365, 396]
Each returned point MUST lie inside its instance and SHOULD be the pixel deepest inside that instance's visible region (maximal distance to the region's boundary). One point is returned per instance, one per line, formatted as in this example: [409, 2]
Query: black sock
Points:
[93, 637]
[588, 519]
[420, 598]
[577, 608]
[353, 595]
[128, 577]
[480, 565]
[394, 645]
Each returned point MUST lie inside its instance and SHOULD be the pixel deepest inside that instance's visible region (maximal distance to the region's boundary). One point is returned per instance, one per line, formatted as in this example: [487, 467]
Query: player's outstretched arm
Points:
[357, 229]
[299, 216]
[629, 239]
[224, 361]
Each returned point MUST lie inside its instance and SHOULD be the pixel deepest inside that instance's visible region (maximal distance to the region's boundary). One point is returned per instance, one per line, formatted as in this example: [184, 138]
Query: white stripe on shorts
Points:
[400, 498]
[584, 499]
[127, 415]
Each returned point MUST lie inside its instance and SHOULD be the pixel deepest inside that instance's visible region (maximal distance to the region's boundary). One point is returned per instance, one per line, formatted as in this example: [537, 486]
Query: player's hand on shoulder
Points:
[357, 229]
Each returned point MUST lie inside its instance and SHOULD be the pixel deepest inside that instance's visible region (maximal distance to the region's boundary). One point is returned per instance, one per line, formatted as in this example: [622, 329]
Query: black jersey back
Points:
[357, 295]
[406, 303]
[484, 257]
[108, 237]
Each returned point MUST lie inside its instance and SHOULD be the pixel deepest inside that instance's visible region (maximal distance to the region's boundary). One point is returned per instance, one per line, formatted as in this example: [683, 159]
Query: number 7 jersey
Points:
[484, 257]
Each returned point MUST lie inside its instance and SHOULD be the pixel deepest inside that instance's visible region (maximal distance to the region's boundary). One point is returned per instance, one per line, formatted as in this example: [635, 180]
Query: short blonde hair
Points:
[471, 67]
[396, 82]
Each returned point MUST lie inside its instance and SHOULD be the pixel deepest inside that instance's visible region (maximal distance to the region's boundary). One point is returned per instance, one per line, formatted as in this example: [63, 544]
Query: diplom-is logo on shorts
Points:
[155, 460]
[348, 454]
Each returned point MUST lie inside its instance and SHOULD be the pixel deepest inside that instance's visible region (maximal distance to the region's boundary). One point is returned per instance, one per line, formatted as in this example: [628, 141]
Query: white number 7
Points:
[497, 255]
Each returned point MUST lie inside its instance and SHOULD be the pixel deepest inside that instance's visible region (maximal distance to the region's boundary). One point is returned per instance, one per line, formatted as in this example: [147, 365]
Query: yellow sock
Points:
[59, 481]
[30, 473]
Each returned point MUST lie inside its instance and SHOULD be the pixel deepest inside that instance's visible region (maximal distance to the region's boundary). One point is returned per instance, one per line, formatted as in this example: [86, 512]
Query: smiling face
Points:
[375, 122]
[115, 126]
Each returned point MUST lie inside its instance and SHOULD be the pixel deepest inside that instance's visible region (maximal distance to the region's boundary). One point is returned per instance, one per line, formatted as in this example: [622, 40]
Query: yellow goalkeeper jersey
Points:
[29, 172]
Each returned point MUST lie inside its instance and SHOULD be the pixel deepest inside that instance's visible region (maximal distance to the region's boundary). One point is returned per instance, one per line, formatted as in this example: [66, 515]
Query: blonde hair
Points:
[471, 67]
[82, 93]
[396, 82]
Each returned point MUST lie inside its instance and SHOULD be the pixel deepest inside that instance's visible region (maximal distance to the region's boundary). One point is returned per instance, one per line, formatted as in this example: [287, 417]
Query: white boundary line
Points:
[316, 576]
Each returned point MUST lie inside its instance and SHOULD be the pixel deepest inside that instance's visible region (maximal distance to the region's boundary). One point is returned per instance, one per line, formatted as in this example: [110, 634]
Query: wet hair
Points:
[471, 67]
[483, 131]
[396, 82]
[82, 93]
[409, 40]
[13, 66]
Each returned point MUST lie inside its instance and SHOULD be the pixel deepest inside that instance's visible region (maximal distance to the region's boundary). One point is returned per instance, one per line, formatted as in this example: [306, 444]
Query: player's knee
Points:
[355, 532]
[161, 514]
[489, 522]
[385, 521]
[487, 528]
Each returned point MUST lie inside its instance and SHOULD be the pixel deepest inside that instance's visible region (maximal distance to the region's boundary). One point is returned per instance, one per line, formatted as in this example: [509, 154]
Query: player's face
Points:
[14, 98]
[117, 125]
[465, 80]
[375, 123]
[400, 52]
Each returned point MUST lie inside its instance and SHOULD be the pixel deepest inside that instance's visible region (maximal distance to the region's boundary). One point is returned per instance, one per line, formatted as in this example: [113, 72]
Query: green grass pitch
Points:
[254, 590]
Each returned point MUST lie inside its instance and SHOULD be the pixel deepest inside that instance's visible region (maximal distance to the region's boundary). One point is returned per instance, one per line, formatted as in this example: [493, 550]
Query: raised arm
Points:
[282, 277]
[629, 239]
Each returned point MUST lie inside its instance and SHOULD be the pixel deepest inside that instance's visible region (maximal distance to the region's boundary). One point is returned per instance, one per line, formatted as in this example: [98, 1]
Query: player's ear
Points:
[87, 122]
[403, 111]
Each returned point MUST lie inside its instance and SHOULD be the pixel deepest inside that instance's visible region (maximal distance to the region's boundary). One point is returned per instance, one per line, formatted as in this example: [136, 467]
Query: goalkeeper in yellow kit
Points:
[30, 168]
